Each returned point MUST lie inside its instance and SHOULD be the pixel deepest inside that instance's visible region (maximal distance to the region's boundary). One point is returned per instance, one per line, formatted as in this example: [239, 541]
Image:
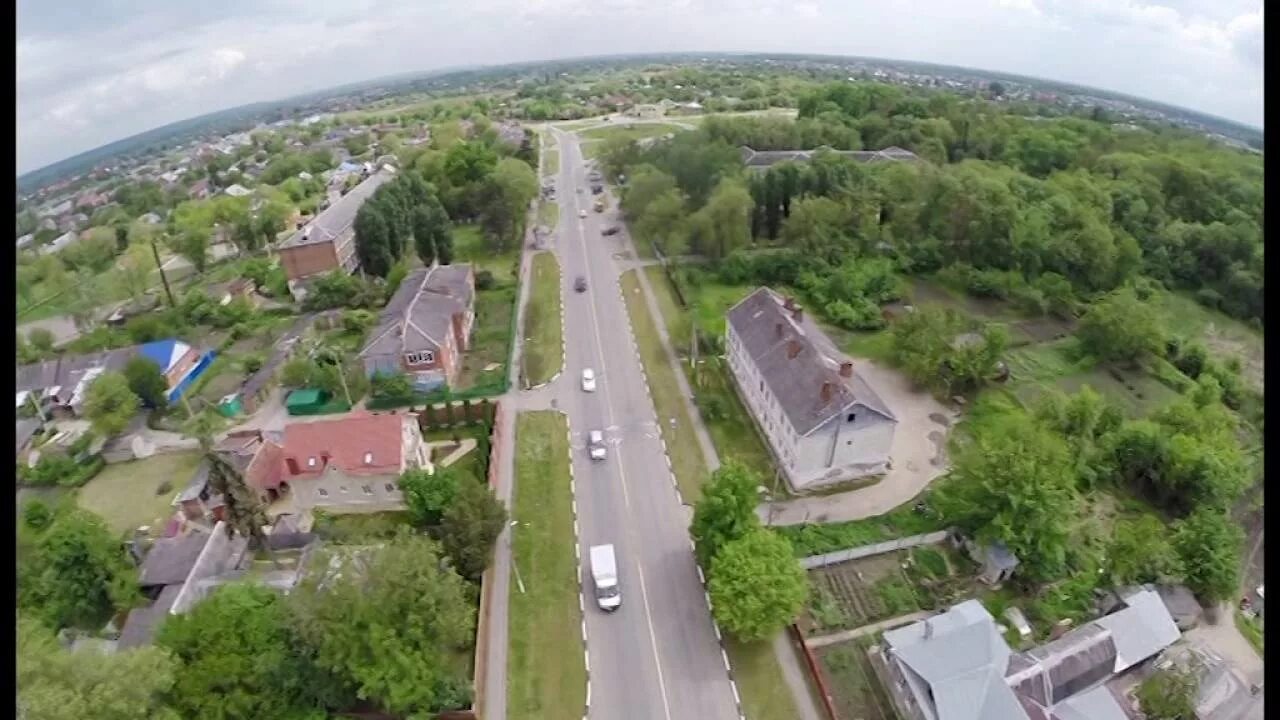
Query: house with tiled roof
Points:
[425, 327]
[352, 461]
[822, 421]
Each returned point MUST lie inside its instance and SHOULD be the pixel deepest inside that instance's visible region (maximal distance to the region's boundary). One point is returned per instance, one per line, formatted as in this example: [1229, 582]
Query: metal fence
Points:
[839, 556]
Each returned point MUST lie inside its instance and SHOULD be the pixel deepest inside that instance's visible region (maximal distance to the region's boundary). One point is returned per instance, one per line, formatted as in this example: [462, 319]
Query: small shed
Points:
[1018, 621]
[230, 405]
[306, 401]
[997, 562]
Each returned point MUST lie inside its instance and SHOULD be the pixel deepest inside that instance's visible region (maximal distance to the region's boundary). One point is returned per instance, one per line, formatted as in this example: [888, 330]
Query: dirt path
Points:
[840, 637]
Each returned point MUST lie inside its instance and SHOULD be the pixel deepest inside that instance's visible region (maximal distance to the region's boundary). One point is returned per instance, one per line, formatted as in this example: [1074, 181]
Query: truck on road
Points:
[604, 573]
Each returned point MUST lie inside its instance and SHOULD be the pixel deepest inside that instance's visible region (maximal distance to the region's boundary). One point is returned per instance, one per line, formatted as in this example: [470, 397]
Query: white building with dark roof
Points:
[823, 422]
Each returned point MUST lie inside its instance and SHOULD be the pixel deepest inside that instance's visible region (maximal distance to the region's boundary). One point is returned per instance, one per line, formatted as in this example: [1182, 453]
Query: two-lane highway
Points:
[657, 657]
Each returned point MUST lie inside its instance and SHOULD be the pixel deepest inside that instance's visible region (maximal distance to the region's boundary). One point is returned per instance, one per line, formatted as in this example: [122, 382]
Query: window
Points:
[391, 487]
[852, 417]
[311, 462]
[322, 492]
[761, 386]
[367, 490]
[368, 458]
[426, 357]
[342, 489]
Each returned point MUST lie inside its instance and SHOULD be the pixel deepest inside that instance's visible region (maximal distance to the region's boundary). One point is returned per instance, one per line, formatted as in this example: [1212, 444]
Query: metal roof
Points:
[340, 217]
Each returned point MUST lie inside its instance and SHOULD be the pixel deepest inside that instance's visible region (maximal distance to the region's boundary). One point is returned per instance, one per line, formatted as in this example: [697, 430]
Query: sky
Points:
[94, 71]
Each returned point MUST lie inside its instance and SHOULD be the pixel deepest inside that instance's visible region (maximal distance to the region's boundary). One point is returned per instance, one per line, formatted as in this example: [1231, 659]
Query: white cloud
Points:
[95, 76]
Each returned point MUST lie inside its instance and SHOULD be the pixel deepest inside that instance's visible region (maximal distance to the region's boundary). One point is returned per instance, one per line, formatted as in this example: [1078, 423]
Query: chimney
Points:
[793, 349]
[928, 629]
[846, 369]
[790, 303]
[778, 329]
[826, 392]
[797, 314]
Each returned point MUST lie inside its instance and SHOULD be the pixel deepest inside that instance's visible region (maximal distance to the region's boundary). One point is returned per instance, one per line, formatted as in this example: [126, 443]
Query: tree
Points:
[297, 373]
[444, 248]
[194, 246]
[1169, 694]
[243, 512]
[240, 658]
[728, 214]
[1140, 552]
[389, 617]
[662, 222]
[1015, 485]
[55, 683]
[471, 525]
[756, 585]
[41, 339]
[726, 511]
[147, 382]
[1209, 545]
[1121, 327]
[122, 238]
[109, 404]
[507, 192]
[645, 186]
[373, 239]
[75, 573]
[429, 494]
[431, 228]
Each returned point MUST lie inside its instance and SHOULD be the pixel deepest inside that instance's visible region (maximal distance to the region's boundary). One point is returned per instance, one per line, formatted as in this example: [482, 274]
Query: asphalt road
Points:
[657, 657]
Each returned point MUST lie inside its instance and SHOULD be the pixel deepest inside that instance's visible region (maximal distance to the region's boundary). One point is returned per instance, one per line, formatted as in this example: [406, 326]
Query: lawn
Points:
[470, 245]
[731, 429]
[543, 354]
[355, 528]
[630, 131]
[686, 457]
[1222, 335]
[1251, 629]
[546, 673]
[1058, 364]
[765, 694]
[549, 214]
[550, 160]
[127, 495]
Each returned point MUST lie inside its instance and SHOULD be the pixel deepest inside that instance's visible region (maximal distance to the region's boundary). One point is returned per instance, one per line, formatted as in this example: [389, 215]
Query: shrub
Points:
[252, 364]
[484, 280]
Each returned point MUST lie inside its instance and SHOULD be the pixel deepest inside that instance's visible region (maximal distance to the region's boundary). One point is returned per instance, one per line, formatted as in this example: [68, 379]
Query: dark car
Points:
[580, 284]
[611, 231]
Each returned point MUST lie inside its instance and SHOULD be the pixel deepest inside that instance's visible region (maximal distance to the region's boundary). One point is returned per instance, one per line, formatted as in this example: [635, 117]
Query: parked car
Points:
[582, 213]
[611, 231]
[595, 445]
[580, 284]
[589, 380]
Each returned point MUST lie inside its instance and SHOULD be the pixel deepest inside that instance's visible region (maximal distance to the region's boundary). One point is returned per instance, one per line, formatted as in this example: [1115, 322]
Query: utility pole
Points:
[155, 252]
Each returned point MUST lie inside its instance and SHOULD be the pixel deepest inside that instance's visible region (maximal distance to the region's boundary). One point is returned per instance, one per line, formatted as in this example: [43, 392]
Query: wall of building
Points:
[335, 489]
[303, 261]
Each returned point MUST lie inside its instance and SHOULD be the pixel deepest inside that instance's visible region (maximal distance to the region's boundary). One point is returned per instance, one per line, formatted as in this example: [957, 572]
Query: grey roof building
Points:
[957, 666]
[328, 241]
[425, 326]
[822, 420]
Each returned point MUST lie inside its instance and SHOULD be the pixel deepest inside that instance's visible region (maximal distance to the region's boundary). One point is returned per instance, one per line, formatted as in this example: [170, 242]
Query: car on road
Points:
[588, 380]
[582, 213]
[595, 445]
[614, 230]
[580, 284]
[604, 572]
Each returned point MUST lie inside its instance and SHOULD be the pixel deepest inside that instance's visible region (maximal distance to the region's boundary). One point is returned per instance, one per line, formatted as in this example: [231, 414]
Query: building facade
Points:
[823, 423]
[425, 327]
[327, 243]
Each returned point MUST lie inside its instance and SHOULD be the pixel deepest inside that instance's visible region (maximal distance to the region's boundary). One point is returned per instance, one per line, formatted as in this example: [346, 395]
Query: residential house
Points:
[1222, 693]
[425, 327]
[91, 200]
[238, 190]
[957, 666]
[511, 133]
[225, 292]
[328, 242]
[25, 240]
[151, 218]
[199, 189]
[823, 423]
[352, 461]
[761, 160]
[60, 384]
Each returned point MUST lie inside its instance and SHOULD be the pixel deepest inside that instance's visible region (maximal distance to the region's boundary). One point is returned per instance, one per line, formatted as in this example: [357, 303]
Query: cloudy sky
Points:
[94, 71]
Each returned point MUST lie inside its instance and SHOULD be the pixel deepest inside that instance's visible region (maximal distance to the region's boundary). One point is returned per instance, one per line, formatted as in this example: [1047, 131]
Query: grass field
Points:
[550, 160]
[490, 337]
[633, 131]
[732, 431]
[546, 674]
[1251, 629]
[125, 494]
[765, 695]
[549, 214]
[686, 457]
[543, 354]
[470, 245]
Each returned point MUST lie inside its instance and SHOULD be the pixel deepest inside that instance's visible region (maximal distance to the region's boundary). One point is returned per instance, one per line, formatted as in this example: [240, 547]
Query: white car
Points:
[589, 380]
[595, 445]
[582, 213]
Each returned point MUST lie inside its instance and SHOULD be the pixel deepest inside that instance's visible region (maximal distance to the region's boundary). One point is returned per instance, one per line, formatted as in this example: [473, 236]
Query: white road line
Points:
[701, 578]
[725, 656]
[736, 698]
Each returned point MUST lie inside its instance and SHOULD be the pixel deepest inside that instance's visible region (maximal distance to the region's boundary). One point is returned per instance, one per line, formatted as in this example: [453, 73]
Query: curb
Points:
[577, 554]
[702, 578]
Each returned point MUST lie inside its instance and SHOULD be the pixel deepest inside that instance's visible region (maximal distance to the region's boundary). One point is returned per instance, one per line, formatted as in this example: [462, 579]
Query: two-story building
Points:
[425, 327]
[823, 423]
[328, 242]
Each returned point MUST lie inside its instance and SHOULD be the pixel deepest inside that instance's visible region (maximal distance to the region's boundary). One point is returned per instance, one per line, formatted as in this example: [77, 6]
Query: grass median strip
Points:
[543, 353]
[682, 445]
[765, 695]
[546, 674]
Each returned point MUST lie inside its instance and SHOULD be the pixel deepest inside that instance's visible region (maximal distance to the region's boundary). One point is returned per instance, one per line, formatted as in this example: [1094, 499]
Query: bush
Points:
[164, 487]
[62, 470]
[484, 280]
[252, 364]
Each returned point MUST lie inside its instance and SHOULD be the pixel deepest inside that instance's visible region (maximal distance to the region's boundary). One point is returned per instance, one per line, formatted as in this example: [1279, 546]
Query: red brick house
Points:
[351, 461]
[425, 327]
[327, 243]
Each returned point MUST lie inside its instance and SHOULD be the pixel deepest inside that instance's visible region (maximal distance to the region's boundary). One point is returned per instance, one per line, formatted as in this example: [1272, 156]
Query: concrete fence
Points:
[834, 558]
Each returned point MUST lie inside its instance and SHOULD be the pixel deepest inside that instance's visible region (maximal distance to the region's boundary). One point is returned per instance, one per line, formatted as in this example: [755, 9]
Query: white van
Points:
[604, 572]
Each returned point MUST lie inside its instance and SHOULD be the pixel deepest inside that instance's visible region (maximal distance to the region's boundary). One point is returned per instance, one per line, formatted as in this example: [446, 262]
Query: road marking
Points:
[653, 638]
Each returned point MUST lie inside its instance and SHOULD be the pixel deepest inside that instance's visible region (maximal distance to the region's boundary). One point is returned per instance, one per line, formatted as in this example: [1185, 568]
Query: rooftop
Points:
[360, 443]
[420, 315]
[338, 218]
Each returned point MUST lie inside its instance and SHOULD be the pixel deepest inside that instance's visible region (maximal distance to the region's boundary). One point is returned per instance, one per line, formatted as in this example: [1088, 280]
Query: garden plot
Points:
[868, 590]
[856, 691]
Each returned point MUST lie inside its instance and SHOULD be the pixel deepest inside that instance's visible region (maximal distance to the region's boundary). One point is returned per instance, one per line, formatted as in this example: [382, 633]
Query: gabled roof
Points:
[165, 353]
[170, 560]
[344, 443]
[420, 315]
[797, 360]
[340, 217]
[1141, 630]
